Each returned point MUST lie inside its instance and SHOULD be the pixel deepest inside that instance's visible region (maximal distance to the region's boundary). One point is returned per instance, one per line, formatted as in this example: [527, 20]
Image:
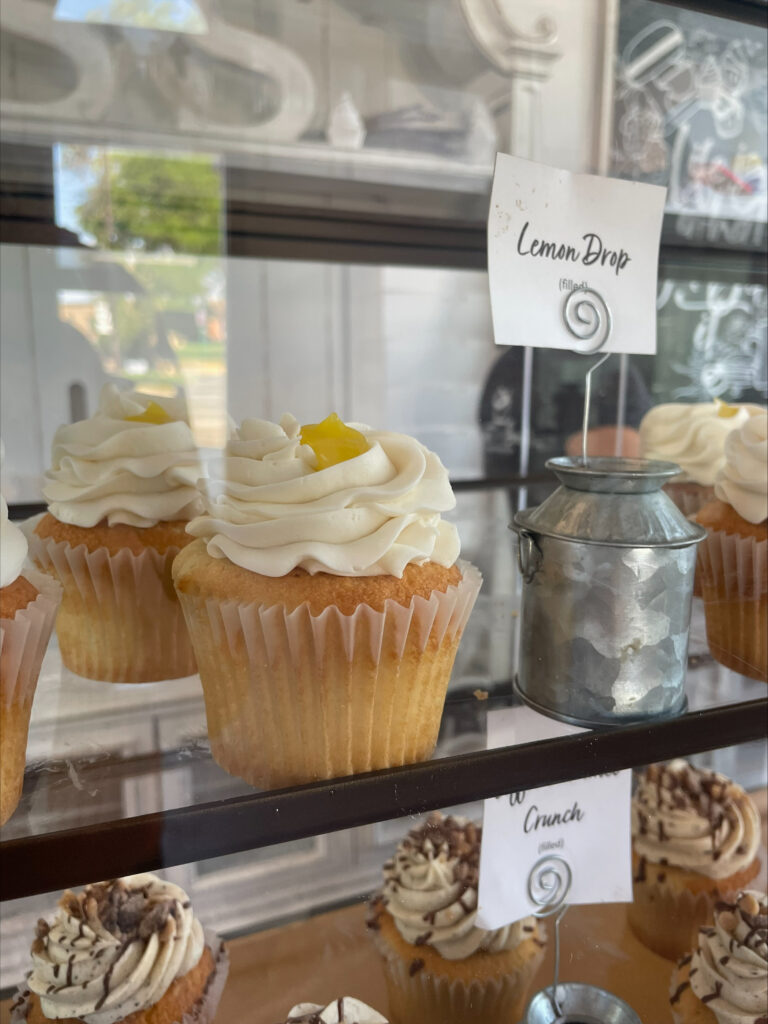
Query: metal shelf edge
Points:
[163, 839]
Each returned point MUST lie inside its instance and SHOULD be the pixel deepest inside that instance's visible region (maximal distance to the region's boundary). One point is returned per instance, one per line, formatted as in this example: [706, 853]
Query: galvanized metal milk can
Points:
[607, 563]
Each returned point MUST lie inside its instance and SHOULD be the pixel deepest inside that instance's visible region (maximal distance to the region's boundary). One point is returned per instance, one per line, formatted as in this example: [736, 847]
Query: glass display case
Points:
[257, 208]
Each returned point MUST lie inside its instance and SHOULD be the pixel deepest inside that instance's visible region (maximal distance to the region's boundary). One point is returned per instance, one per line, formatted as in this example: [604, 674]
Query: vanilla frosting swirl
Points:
[743, 480]
[270, 510]
[431, 886]
[114, 949]
[341, 1011]
[114, 468]
[692, 435]
[13, 548]
[729, 969]
[693, 819]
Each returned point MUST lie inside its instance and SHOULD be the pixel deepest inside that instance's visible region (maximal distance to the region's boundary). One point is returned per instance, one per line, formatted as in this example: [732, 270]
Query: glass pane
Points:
[263, 207]
[690, 113]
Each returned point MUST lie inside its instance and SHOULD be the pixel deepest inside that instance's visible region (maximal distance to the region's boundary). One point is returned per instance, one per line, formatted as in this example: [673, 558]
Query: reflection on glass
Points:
[691, 110]
[712, 343]
[166, 15]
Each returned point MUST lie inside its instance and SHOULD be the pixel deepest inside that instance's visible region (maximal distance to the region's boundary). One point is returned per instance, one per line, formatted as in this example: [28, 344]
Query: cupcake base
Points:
[424, 988]
[119, 621]
[23, 641]
[14, 729]
[294, 694]
[191, 999]
[732, 564]
[670, 904]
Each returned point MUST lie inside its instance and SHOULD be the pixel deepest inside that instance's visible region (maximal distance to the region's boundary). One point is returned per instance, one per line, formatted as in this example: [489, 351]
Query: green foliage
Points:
[154, 203]
[148, 14]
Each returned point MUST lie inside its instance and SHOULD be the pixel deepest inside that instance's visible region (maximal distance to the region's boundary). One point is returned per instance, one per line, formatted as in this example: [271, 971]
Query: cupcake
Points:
[725, 979]
[341, 1011]
[324, 600]
[439, 965]
[130, 950]
[732, 561]
[693, 436]
[121, 490]
[695, 836]
[28, 602]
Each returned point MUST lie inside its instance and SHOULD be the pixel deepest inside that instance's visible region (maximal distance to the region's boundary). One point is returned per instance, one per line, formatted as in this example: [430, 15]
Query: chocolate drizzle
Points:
[680, 787]
[313, 1017]
[739, 926]
[458, 844]
[713, 995]
[678, 991]
[129, 913]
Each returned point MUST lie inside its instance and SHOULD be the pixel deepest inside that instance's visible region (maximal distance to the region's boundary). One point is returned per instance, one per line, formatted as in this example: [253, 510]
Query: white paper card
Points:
[550, 232]
[585, 822]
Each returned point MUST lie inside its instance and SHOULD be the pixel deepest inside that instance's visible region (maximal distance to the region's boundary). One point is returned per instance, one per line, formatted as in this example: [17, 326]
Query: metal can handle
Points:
[528, 555]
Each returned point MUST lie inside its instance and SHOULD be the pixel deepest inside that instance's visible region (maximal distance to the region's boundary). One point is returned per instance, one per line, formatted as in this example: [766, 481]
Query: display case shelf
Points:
[39, 853]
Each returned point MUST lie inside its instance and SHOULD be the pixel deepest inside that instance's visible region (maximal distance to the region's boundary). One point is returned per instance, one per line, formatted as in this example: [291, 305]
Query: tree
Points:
[152, 203]
[172, 15]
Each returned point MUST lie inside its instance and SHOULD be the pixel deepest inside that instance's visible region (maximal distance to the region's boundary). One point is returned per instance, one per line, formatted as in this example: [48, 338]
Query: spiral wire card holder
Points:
[548, 885]
[588, 318]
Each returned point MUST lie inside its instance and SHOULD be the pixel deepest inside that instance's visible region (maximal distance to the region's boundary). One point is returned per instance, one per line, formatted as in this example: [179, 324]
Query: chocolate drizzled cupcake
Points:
[129, 950]
[344, 1010]
[695, 841]
[725, 979]
[439, 964]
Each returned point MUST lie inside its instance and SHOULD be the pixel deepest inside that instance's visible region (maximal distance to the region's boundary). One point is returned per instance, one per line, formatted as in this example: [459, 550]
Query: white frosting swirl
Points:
[731, 962]
[109, 467]
[692, 435]
[743, 480]
[692, 819]
[13, 548]
[341, 1011]
[430, 889]
[270, 510]
[114, 949]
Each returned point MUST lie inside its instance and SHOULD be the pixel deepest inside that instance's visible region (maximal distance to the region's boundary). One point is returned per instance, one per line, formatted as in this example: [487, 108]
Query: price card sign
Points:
[573, 259]
[585, 823]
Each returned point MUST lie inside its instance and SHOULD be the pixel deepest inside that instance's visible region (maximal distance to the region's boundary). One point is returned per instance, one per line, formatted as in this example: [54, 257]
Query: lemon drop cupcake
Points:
[324, 600]
[128, 951]
[732, 562]
[724, 980]
[439, 965]
[121, 490]
[695, 837]
[692, 434]
[28, 602]
[341, 1011]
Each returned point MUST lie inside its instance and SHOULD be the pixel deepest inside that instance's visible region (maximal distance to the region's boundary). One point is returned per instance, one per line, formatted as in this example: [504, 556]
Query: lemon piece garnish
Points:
[333, 441]
[725, 411]
[154, 413]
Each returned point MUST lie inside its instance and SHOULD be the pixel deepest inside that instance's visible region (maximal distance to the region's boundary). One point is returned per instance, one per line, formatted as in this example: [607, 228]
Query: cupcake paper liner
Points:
[668, 920]
[293, 697]
[688, 496]
[23, 642]
[203, 1012]
[119, 621]
[426, 998]
[734, 577]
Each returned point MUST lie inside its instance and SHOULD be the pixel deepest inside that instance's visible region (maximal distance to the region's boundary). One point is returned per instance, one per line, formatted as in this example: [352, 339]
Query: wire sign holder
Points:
[587, 316]
[549, 883]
